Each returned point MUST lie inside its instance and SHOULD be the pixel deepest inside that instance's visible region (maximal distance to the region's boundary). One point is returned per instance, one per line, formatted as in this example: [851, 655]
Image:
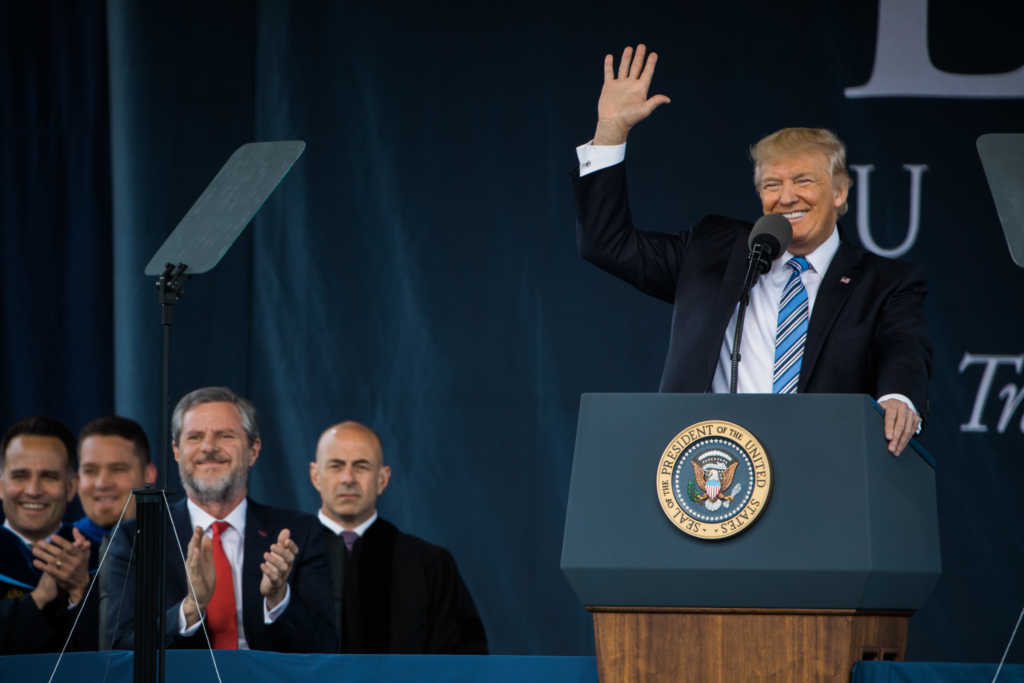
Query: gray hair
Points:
[246, 411]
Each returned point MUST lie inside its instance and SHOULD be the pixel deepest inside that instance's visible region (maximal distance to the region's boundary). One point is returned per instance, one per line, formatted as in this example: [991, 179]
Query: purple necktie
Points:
[350, 539]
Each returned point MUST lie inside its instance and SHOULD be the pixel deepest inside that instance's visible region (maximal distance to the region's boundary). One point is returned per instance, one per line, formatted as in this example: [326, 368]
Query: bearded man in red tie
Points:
[258, 574]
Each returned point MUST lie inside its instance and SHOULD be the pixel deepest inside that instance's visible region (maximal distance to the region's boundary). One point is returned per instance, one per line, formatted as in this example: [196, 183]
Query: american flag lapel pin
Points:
[845, 280]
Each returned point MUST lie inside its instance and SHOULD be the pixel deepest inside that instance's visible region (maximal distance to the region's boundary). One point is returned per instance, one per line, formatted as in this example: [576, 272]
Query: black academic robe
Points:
[402, 595]
[24, 628]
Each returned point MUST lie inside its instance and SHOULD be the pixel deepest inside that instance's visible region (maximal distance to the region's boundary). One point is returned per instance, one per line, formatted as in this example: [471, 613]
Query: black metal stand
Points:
[150, 583]
[757, 265]
[150, 647]
[170, 289]
[201, 239]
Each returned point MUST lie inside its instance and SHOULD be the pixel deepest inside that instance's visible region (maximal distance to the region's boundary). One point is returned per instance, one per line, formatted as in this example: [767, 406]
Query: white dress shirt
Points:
[757, 348]
[337, 528]
[232, 541]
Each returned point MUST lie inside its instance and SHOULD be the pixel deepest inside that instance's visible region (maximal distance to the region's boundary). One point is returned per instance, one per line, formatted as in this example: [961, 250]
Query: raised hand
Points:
[276, 567]
[624, 102]
[202, 573]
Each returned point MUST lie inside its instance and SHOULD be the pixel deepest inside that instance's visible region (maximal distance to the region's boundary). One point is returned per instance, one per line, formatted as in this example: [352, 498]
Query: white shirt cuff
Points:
[181, 621]
[904, 399]
[597, 157]
[269, 617]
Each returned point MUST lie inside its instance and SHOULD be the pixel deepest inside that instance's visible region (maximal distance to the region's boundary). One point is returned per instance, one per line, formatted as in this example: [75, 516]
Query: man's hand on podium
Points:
[900, 422]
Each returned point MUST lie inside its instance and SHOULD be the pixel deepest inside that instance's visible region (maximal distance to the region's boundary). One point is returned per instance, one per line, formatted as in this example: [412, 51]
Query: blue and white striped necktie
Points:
[791, 333]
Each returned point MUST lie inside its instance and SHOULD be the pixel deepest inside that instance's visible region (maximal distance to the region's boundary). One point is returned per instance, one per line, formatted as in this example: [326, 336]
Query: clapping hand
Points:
[202, 574]
[66, 562]
[276, 567]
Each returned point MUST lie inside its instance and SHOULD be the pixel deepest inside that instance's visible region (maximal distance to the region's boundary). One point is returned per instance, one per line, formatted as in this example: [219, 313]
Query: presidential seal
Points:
[714, 479]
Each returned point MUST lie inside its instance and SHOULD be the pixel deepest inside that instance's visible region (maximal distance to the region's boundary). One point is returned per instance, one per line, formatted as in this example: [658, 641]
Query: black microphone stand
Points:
[758, 264]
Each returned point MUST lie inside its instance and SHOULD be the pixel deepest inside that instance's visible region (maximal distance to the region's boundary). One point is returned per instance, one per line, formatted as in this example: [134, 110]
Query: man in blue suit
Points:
[860, 323]
[258, 575]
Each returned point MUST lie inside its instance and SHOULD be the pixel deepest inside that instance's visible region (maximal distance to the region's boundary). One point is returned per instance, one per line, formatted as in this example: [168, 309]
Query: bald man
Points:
[393, 593]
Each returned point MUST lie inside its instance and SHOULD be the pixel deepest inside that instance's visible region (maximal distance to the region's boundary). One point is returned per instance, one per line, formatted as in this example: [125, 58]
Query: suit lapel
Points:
[258, 538]
[836, 287]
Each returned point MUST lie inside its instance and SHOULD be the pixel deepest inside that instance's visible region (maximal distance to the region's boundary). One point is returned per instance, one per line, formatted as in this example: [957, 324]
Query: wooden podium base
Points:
[640, 644]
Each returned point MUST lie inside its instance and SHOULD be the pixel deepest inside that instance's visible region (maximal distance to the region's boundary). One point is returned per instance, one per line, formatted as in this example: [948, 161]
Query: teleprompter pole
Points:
[150, 647]
[150, 576]
[200, 240]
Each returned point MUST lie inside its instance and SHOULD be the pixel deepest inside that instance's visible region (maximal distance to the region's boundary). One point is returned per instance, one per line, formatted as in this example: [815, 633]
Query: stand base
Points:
[720, 645]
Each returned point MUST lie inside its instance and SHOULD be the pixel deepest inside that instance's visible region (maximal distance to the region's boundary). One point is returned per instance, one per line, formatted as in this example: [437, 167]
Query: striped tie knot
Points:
[791, 333]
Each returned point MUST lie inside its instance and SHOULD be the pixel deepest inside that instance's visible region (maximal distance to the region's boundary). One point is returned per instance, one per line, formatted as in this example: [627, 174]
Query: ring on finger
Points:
[59, 563]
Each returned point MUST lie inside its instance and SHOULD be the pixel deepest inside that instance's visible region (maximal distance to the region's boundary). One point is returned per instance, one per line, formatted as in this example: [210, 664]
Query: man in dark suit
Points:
[857, 318]
[393, 592]
[44, 565]
[259, 574]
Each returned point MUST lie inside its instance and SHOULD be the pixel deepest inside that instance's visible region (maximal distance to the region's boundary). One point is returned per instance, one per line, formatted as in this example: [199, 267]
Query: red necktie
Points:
[220, 613]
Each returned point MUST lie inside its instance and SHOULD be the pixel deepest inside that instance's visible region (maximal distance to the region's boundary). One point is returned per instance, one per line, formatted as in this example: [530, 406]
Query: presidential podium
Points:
[845, 548]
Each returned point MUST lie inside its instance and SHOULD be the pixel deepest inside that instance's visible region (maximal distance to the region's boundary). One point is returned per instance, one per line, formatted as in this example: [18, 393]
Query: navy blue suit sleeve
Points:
[306, 624]
[900, 344]
[606, 236]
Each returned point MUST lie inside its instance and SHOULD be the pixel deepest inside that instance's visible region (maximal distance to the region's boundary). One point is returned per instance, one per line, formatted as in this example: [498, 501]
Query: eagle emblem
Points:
[714, 471]
[713, 480]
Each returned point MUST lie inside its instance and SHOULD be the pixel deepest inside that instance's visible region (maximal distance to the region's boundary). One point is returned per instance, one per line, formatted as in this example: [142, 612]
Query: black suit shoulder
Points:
[271, 520]
[714, 224]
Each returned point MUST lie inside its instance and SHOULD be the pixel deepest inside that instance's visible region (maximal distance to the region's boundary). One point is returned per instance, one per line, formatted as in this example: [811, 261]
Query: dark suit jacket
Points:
[305, 625]
[24, 628]
[403, 595]
[867, 333]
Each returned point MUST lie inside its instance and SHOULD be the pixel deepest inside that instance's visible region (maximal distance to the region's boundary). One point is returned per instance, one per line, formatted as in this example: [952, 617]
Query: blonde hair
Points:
[790, 141]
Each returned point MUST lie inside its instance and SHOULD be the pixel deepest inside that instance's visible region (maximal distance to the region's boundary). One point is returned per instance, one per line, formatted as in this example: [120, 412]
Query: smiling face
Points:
[108, 470]
[349, 473]
[214, 454]
[800, 186]
[36, 485]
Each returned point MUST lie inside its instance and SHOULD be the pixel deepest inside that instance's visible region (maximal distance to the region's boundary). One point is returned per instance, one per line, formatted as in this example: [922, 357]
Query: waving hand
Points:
[624, 101]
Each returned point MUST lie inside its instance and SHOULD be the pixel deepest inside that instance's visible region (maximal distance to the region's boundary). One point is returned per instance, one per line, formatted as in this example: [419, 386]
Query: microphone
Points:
[770, 237]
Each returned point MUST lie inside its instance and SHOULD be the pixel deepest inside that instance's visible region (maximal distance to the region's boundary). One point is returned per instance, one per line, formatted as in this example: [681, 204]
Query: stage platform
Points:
[263, 667]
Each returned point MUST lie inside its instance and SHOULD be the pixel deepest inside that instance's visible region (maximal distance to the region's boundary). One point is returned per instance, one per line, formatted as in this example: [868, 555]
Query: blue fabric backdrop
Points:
[417, 268]
[56, 352]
